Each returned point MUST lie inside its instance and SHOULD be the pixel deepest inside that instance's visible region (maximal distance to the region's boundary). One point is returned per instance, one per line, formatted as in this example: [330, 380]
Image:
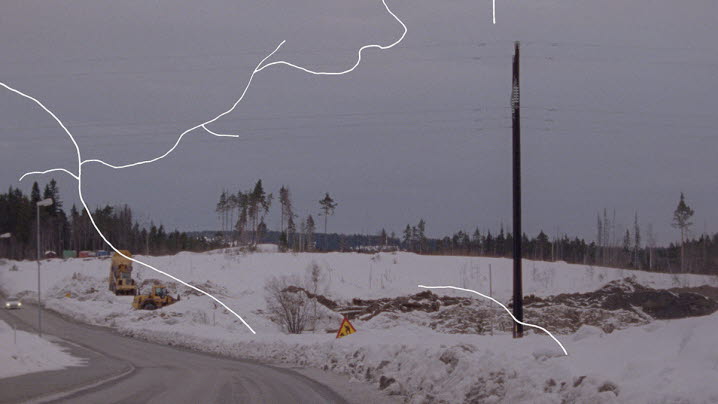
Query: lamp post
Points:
[44, 202]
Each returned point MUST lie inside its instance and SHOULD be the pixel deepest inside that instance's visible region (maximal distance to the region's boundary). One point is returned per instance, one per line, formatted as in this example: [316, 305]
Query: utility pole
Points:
[516, 123]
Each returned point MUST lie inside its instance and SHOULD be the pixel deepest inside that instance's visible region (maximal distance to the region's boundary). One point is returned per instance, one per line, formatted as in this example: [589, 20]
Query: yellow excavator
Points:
[157, 298]
[121, 281]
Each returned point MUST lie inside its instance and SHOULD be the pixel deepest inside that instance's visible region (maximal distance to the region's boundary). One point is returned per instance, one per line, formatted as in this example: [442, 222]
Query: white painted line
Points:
[217, 134]
[382, 47]
[49, 171]
[505, 308]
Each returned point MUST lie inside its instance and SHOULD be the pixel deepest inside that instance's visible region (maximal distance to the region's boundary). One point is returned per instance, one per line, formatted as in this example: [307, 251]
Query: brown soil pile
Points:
[618, 304]
[627, 294]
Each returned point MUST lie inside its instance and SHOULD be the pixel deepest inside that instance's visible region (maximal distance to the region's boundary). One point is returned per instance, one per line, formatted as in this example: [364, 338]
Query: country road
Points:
[126, 370]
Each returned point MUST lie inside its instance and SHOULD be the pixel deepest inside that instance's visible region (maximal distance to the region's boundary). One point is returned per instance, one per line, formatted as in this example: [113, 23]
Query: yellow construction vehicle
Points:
[158, 298]
[121, 281]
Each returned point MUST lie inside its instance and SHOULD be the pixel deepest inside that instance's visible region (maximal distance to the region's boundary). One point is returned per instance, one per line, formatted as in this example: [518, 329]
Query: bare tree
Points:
[315, 277]
[290, 308]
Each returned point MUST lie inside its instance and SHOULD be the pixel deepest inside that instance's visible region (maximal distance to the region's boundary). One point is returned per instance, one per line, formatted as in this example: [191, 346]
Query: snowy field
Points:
[22, 352]
[671, 361]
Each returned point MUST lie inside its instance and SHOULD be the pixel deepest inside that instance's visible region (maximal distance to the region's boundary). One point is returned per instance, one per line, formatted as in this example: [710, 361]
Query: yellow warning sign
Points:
[346, 328]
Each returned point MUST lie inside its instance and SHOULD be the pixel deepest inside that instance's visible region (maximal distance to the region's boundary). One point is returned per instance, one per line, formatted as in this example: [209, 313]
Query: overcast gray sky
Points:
[618, 108]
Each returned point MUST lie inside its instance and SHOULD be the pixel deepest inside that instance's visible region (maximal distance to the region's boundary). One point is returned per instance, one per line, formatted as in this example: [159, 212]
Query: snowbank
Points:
[664, 361]
[27, 353]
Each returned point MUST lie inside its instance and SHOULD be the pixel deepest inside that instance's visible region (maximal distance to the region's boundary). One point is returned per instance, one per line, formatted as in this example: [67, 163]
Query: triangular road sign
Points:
[346, 328]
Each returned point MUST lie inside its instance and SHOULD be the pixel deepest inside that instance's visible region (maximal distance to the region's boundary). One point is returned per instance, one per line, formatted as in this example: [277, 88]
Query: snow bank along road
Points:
[123, 369]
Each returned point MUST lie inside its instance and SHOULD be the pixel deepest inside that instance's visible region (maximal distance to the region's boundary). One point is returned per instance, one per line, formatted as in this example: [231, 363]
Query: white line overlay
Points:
[493, 10]
[203, 126]
[505, 308]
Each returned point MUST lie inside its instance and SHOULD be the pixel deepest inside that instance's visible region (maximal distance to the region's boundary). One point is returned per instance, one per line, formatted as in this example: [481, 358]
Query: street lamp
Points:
[44, 202]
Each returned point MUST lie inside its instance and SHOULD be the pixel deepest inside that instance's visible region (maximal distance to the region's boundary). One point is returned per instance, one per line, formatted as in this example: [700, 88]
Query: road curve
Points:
[126, 370]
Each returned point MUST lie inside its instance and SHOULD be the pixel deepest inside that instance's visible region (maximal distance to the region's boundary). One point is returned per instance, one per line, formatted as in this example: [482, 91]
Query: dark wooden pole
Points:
[516, 121]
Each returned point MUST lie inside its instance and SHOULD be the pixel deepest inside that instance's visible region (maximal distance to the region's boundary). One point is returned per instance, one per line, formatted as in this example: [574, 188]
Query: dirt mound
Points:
[424, 301]
[705, 290]
[617, 305]
[323, 300]
[627, 294]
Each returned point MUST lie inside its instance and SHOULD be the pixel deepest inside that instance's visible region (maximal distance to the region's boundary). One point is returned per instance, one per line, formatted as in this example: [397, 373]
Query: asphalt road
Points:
[126, 370]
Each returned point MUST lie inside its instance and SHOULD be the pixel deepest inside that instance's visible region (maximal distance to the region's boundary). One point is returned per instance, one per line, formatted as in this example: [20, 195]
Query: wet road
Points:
[126, 370]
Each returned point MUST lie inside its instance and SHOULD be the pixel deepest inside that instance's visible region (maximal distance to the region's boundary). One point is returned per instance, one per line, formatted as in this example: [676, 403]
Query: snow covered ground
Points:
[22, 352]
[664, 361]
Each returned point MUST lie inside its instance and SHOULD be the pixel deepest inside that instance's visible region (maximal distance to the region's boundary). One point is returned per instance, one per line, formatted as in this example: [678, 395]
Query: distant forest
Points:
[242, 217]
[61, 231]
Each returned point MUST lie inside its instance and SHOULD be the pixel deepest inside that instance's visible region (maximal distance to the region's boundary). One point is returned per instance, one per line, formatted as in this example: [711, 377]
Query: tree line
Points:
[61, 231]
[626, 250]
[242, 216]
[250, 209]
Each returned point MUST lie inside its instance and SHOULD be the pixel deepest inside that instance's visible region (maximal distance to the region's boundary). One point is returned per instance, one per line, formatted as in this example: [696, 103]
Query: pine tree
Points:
[221, 209]
[232, 204]
[34, 194]
[542, 244]
[243, 215]
[476, 241]
[53, 191]
[420, 235]
[310, 229]
[414, 239]
[242, 221]
[291, 230]
[258, 205]
[500, 240]
[261, 230]
[383, 238]
[407, 237]
[285, 202]
[627, 241]
[682, 221]
[489, 244]
[327, 205]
